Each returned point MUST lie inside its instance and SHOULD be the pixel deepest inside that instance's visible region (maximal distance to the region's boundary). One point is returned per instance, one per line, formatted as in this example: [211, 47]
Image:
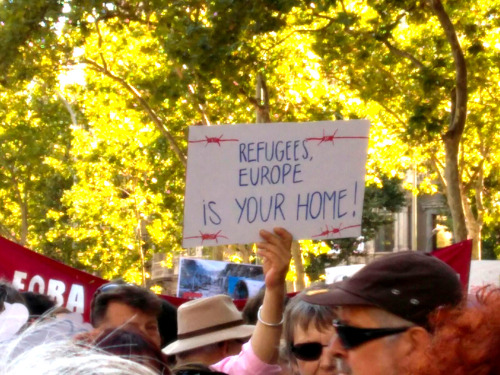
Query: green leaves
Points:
[103, 188]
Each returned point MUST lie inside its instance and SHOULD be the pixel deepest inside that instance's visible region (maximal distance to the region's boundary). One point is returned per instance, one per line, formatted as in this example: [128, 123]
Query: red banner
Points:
[30, 271]
[457, 256]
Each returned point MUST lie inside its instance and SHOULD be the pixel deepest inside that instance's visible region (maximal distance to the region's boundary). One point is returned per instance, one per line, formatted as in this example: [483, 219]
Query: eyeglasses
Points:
[351, 337]
[308, 351]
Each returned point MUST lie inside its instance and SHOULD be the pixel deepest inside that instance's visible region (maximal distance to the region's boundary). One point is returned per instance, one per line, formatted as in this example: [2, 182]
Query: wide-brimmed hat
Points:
[207, 321]
[12, 318]
[408, 284]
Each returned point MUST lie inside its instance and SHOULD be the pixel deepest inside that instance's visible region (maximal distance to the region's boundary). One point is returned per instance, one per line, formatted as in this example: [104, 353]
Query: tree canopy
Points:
[96, 98]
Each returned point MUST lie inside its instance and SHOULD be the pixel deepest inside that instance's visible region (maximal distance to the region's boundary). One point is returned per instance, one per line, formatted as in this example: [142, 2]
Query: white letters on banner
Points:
[55, 290]
[306, 177]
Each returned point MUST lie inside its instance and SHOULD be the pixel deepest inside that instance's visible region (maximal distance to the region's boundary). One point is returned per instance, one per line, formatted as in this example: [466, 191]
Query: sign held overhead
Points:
[306, 177]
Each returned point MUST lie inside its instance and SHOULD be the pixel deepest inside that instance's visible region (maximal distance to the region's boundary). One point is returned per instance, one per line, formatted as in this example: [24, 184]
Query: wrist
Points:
[269, 324]
[276, 289]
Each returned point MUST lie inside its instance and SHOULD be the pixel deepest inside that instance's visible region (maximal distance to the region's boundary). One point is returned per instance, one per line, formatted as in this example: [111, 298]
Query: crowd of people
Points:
[405, 313]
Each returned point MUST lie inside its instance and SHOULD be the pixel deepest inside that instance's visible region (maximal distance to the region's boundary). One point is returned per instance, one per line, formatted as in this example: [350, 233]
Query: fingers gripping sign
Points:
[276, 253]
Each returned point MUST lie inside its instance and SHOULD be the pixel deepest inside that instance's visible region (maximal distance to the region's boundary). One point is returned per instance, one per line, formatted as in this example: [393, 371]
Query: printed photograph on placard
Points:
[204, 278]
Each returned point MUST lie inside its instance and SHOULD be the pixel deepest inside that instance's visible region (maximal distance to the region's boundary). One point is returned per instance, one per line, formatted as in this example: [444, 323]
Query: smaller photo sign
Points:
[204, 278]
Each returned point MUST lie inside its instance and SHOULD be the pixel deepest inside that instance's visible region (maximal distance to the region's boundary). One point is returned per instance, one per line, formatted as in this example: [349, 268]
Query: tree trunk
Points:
[475, 222]
[475, 234]
[246, 250]
[453, 136]
[474, 227]
[453, 193]
[299, 267]
[262, 99]
[218, 252]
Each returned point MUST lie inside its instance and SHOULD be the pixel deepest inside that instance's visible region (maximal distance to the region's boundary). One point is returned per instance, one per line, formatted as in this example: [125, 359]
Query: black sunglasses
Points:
[351, 337]
[308, 351]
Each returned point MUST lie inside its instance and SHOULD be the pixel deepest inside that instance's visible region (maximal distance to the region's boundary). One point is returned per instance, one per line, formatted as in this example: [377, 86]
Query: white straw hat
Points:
[207, 321]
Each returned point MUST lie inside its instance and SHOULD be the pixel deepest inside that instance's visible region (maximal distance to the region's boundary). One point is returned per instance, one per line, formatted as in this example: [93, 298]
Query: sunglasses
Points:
[308, 351]
[351, 337]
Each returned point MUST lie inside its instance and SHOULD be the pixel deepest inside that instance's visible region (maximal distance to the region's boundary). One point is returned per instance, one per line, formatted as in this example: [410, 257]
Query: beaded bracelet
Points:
[266, 323]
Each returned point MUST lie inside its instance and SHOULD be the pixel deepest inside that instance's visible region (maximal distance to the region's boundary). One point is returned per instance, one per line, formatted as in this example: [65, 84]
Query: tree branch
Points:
[69, 109]
[417, 63]
[99, 43]
[251, 99]
[299, 31]
[391, 77]
[439, 167]
[145, 105]
[457, 127]
[394, 114]
[201, 108]
[23, 207]
[5, 232]
[343, 6]
[262, 97]
[353, 86]
[479, 195]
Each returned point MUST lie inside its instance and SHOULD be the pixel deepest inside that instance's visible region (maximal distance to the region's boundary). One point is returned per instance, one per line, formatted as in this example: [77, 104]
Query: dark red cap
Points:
[409, 284]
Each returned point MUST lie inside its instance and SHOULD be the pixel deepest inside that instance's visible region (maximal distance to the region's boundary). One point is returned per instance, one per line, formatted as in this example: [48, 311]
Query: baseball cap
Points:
[408, 284]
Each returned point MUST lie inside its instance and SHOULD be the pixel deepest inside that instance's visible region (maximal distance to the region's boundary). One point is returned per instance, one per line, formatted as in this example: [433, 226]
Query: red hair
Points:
[466, 339]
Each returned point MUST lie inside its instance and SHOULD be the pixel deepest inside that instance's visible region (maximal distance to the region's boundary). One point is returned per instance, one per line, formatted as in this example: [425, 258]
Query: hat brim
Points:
[336, 295]
[12, 319]
[183, 345]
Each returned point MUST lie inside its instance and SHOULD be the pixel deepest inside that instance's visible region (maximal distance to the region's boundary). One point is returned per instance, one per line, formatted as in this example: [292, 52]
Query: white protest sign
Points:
[306, 177]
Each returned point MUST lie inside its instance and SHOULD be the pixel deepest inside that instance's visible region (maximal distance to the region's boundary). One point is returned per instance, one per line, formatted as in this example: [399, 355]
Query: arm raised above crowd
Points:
[275, 251]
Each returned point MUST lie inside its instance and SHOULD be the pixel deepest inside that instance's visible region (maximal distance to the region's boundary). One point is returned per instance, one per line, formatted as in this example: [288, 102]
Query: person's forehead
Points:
[312, 333]
[312, 326]
[361, 316]
[122, 313]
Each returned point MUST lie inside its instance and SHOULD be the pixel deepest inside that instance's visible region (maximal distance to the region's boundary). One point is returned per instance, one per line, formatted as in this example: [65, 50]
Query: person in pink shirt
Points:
[260, 354]
[211, 330]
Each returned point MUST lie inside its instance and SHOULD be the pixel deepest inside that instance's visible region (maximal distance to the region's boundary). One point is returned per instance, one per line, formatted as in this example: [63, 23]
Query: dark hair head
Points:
[252, 305]
[167, 323]
[133, 346]
[3, 296]
[11, 294]
[38, 304]
[128, 294]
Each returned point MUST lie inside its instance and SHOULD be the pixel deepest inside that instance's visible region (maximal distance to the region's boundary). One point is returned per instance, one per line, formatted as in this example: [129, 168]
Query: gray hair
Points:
[46, 348]
[299, 313]
[67, 358]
